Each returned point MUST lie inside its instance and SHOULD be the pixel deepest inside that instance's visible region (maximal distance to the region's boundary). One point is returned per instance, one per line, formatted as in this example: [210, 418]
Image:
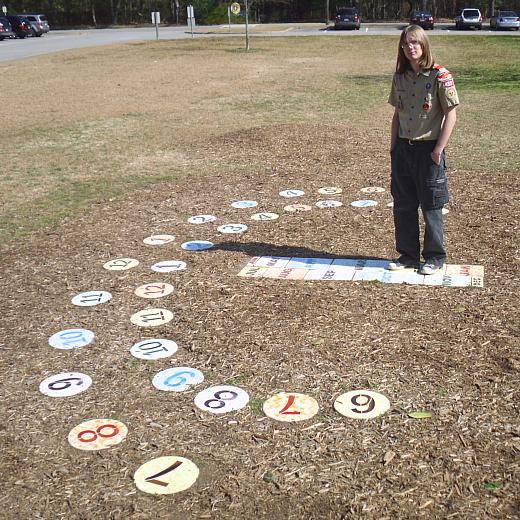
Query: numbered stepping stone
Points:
[363, 203]
[232, 228]
[297, 208]
[91, 298]
[158, 240]
[445, 211]
[168, 266]
[243, 204]
[264, 216]
[71, 338]
[65, 384]
[330, 190]
[97, 434]
[121, 264]
[291, 193]
[177, 379]
[390, 205]
[361, 404]
[201, 219]
[166, 475]
[290, 407]
[373, 189]
[154, 290]
[154, 349]
[322, 204]
[197, 245]
[221, 399]
[151, 317]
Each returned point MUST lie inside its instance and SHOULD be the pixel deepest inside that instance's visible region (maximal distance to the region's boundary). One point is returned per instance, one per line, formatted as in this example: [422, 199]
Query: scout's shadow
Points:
[263, 249]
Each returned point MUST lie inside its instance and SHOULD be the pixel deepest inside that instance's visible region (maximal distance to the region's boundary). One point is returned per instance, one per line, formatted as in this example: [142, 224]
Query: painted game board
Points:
[358, 269]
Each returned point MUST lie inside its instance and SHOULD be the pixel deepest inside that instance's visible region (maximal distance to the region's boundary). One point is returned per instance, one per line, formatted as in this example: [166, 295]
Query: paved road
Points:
[57, 41]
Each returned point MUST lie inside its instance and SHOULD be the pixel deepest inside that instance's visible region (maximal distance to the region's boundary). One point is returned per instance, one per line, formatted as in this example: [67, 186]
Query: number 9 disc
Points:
[97, 434]
[166, 475]
[361, 404]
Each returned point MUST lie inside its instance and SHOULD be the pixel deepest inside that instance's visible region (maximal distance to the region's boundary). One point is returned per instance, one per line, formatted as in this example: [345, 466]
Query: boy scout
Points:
[424, 97]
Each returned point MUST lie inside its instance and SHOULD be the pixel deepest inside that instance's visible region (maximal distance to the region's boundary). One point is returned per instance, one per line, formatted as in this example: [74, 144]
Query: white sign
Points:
[156, 17]
[190, 11]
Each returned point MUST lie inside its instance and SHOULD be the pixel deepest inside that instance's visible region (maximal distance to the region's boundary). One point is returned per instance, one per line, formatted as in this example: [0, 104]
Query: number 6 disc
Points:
[97, 434]
[361, 404]
[166, 475]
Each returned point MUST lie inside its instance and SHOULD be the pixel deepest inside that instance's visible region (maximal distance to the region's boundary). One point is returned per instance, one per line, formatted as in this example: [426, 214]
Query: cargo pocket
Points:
[435, 190]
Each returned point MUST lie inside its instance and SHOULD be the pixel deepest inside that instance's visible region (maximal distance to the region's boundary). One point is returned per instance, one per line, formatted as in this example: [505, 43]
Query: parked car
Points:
[505, 20]
[38, 19]
[347, 18]
[5, 29]
[423, 19]
[36, 30]
[20, 27]
[468, 18]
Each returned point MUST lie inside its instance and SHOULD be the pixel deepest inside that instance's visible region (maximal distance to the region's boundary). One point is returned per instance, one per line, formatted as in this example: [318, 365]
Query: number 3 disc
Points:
[97, 434]
[166, 475]
[361, 404]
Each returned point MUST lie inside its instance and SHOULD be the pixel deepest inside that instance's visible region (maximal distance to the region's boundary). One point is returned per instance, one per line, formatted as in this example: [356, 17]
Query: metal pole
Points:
[229, 18]
[247, 27]
[156, 29]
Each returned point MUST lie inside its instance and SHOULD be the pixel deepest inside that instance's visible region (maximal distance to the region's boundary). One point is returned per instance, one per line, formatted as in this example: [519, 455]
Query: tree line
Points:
[73, 13]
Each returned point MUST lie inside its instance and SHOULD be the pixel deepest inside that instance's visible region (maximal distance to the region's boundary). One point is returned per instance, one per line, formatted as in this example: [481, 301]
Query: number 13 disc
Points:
[361, 404]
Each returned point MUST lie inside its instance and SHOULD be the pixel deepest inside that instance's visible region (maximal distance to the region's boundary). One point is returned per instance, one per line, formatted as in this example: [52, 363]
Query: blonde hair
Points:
[426, 61]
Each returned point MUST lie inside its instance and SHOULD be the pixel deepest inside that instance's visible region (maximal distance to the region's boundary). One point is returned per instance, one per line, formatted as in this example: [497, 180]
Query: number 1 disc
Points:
[166, 475]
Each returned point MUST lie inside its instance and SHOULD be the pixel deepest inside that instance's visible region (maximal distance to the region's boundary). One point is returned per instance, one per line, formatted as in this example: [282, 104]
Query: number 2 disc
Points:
[361, 404]
[166, 475]
[97, 434]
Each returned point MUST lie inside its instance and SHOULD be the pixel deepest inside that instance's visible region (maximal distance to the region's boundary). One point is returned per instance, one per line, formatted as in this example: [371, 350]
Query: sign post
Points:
[156, 19]
[247, 26]
[191, 17]
[235, 9]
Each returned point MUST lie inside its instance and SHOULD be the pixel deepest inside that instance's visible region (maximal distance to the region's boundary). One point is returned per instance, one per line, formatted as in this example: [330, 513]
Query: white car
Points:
[505, 20]
[468, 18]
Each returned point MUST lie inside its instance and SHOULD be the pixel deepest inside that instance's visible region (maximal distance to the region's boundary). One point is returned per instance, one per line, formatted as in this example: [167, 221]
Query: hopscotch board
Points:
[358, 269]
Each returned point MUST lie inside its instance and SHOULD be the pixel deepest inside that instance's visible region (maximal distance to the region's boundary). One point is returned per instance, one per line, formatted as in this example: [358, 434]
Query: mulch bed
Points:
[450, 351]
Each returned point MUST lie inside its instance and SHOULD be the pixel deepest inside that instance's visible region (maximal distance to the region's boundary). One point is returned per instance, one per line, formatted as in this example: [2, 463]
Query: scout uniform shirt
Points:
[420, 99]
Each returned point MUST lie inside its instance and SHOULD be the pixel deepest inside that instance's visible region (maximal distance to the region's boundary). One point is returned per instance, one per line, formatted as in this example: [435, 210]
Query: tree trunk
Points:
[93, 7]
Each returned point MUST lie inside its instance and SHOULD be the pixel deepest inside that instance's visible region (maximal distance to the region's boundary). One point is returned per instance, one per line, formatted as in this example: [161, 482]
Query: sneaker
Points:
[430, 268]
[400, 264]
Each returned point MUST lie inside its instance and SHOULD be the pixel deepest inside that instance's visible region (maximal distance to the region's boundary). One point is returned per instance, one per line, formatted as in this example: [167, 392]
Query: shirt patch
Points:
[447, 84]
[428, 86]
[450, 92]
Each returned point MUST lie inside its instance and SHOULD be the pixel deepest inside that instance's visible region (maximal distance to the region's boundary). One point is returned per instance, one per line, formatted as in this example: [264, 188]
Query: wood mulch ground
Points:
[450, 351]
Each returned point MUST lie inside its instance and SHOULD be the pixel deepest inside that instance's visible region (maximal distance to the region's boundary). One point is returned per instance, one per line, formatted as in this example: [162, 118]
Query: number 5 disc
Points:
[361, 404]
[166, 475]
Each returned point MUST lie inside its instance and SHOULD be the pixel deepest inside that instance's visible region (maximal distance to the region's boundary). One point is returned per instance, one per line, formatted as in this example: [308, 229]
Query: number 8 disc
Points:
[97, 434]
[361, 404]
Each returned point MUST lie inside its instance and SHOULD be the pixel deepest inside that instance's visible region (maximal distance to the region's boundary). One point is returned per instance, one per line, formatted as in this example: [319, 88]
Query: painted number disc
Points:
[154, 349]
[168, 266]
[363, 203]
[291, 193]
[197, 245]
[329, 204]
[177, 379]
[221, 399]
[373, 189]
[166, 475]
[297, 208]
[97, 434]
[151, 317]
[154, 290]
[71, 338]
[158, 240]
[265, 216]
[361, 404]
[232, 228]
[330, 190]
[243, 204]
[121, 264]
[91, 298]
[290, 407]
[65, 384]
[201, 219]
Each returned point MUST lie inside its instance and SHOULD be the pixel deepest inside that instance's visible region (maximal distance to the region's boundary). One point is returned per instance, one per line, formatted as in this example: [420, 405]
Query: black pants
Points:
[418, 181]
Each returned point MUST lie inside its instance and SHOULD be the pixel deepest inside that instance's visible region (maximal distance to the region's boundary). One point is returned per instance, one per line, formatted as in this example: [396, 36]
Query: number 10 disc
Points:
[361, 404]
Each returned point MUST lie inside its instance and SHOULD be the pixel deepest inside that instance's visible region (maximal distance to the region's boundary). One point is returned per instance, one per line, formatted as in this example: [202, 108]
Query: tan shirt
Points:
[420, 99]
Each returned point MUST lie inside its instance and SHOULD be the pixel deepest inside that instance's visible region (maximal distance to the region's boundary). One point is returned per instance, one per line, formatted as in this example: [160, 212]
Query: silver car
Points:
[468, 18]
[505, 20]
[39, 20]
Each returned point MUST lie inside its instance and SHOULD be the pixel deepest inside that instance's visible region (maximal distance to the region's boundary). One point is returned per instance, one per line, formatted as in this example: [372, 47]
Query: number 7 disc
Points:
[361, 404]
[290, 407]
[166, 475]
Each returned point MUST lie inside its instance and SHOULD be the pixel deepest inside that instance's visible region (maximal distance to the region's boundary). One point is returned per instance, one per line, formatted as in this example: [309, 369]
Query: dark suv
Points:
[347, 18]
[423, 19]
[21, 27]
[5, 29]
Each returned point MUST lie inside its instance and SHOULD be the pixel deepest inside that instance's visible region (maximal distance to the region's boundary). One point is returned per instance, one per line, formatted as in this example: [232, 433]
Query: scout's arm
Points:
[450, 118]
[394, 130]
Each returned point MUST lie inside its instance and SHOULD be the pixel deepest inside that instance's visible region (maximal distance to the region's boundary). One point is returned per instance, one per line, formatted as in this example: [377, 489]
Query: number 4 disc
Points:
[361, 404]
[166, 475]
